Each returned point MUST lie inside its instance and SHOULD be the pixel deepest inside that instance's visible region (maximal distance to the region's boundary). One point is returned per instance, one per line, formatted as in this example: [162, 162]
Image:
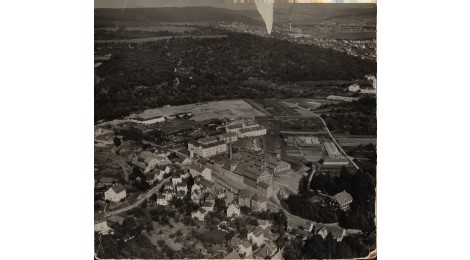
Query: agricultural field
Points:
[232, 109]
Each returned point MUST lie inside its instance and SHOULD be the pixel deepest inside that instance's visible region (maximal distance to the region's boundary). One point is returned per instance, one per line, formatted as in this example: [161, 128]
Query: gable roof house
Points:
[162, 200]
[182, 187]
[101, 226]
[246, 249]
[267, 251]
[209, 206]
[116, 193]
[232, 255]
[200, 170]
[256, 236]
[343, 200]
[199, 214]
[233, 209]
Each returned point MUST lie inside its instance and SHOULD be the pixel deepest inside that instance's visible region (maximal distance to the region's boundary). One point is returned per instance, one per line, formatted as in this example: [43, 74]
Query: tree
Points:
[116, 141]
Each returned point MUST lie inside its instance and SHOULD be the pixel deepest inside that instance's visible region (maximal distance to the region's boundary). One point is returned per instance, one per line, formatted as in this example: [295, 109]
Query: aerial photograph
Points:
[235, 129]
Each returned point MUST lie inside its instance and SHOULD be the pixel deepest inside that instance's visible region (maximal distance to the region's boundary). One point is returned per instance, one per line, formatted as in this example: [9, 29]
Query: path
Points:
[137, 203]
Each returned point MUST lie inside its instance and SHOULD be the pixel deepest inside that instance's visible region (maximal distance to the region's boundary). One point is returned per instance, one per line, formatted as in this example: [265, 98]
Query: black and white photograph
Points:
[235, 129]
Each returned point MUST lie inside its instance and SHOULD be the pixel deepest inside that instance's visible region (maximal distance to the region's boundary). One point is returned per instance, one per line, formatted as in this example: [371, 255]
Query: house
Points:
[182, 187]
[252, 132]
[154, 176]
[101, 226]
[228, 137]
[338, 233]
[168, 194]
[343, 200]
[196, 196]
[198, 169]
[168, 186]
[162, 200]
[207, 186]
[308, 226]
[354, 88]
[304, 234]
[259, 203]
[210, 198]
[232, 255]
[176, 178]
[267, 251]
[180, 195]
[116, 193]
[197, 186]
[199, 214]
[164, 168]
[256, 236]
[245, 249]
[208, 206]
[220, 193]
[235, 241]
[264, 224]
[233, 209]
[181, 160]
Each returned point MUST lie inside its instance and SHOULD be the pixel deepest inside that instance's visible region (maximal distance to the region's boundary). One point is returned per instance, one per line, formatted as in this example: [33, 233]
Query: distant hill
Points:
[154, 16]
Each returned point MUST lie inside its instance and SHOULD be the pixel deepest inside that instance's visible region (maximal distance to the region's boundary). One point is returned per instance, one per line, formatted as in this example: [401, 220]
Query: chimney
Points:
[230, 148]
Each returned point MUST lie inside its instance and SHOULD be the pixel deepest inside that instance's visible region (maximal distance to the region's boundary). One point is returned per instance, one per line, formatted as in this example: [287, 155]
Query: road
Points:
[140, 201]
[337, 144]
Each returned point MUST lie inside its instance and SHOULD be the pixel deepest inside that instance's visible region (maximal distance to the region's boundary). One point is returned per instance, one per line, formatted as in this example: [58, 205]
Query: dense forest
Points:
[182, 71]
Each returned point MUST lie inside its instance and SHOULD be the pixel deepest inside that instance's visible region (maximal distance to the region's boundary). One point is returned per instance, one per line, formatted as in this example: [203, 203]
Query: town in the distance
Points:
[186, 170]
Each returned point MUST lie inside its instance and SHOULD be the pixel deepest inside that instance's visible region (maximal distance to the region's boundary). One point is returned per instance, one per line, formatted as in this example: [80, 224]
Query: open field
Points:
[232, 109]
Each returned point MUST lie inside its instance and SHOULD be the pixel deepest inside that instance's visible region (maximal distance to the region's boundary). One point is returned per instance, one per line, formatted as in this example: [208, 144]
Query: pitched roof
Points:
[251, 129]
[197, 167]
[235, 126]
[246, 244]
[118, 188]
[99, 217]
[232, 255]
[159, 196]
[205, 183]
[207, 204]
[208, 140]
[257, 232]
[343, 197]
[263, 185]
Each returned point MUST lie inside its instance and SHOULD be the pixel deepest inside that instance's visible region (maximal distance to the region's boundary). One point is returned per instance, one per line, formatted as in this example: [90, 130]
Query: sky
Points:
[214, 3]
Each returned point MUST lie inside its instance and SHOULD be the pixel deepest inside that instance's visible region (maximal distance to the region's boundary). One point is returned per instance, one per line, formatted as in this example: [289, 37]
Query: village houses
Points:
[116, 193]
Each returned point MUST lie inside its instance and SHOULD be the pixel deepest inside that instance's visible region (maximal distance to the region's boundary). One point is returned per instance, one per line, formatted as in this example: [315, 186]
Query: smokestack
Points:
[230, 148]
[290, 26]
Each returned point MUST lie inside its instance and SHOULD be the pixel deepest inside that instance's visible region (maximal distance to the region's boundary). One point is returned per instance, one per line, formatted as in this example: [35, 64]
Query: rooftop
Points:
[343, 197]
[118, 188]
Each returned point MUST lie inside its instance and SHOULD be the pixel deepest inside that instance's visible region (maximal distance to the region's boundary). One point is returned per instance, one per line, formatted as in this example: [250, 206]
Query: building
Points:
[153, 176]
[196, 169]
[340, 98]
[176, 179]
[232, 255]
[331, 149]
[210, 198]
[180, 195]
[168, 194]
[227, 137]
[208, 140]
[256, 237]
[336, 161]
[206, 186]
[253, 174]
[338, 233]
[368, 91]
[196, 196]
[220, 193]
[308, 226]
[252, 132]
[116, 193]
[354, 88]
[264, 189]
[148, 121]
[199, 214]
[181, 160]
[207, 150]
[182, 187]
[343, 200]
[274, 165]
[235, 128]
[253, 200]
[208, 206]
[233, 209]
[267, 251]
[101, 225]
[162, 200]
[264, 224]
[245, 249]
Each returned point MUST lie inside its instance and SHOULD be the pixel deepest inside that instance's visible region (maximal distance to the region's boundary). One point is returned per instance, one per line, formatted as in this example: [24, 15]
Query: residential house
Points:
[176, 178]
[267, 251]
[308, 226]
[245, 249]
[196, 169]
[154, 176]
[162, 200]
[196, 196]
[182, 187]
[343, 200]
[354, 88]
[256, 237]
[220, 193]
[338, 233]
[116, 193]
[207, 186]
[181, 160]
[199, 214]
[259, 203]
[233, 209]
[232, 255]
[180, 195]
[208, 206]
[264, 224]
[235, 241]
[210, 198]
[168, 194]
[101, 226]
